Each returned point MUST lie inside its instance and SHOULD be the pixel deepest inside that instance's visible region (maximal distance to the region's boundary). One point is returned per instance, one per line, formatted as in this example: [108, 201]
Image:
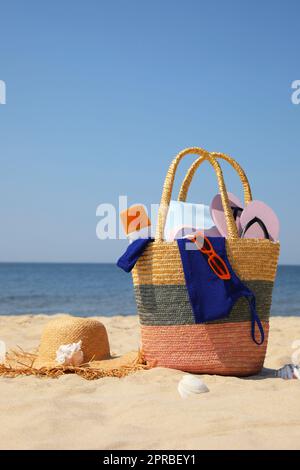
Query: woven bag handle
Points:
[191, 171]
[168, 187]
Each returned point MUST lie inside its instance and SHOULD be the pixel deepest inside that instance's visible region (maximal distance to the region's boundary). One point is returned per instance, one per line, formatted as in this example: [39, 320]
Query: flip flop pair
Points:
[256, 220]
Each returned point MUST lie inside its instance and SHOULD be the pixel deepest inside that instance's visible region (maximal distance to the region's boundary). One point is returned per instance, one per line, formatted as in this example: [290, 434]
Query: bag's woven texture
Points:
[170, 337]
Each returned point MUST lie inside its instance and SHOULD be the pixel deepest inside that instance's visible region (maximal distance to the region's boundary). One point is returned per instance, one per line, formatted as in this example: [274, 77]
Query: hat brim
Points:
[22, 363]
[114, 362]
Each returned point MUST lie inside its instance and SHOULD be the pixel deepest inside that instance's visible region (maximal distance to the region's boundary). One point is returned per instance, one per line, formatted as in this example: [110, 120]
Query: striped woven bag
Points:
[170, 337]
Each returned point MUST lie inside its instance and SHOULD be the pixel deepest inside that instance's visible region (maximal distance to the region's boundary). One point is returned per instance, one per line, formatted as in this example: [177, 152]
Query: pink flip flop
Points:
[259, 221]
[218, 216]
[212, 232]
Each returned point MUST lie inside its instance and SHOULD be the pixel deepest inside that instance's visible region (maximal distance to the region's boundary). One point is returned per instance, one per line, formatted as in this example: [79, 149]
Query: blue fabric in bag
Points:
[132, 254]
[212, 298]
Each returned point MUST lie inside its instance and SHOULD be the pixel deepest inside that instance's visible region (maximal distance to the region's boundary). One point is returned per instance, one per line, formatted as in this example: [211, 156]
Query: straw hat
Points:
[92, 340]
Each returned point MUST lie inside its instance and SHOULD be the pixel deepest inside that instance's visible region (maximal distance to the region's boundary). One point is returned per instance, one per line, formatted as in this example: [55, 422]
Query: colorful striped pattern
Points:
[170, 337]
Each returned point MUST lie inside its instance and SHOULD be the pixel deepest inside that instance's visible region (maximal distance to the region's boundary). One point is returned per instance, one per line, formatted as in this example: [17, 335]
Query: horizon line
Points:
[95, 262]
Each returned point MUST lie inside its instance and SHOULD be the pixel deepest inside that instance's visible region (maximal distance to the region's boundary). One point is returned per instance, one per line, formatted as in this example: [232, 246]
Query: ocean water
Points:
[100, 289]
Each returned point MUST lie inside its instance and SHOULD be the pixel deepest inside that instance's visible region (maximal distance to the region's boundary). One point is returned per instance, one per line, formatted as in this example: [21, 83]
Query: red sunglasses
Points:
[216, 263]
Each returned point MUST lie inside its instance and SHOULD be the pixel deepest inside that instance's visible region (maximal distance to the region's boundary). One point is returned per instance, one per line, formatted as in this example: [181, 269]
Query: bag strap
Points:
[168, 188]
[191, 171]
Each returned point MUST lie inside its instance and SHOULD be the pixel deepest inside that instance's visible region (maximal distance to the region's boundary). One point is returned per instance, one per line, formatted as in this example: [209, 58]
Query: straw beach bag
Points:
[170, 336]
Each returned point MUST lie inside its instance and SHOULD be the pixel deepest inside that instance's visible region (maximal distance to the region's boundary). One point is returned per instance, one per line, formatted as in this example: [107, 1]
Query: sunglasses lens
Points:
[198, 239]
[206, 245]
[203, 243]
[219, 266]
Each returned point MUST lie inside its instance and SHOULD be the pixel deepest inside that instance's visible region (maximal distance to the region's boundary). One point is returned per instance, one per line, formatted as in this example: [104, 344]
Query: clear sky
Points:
[101, 95]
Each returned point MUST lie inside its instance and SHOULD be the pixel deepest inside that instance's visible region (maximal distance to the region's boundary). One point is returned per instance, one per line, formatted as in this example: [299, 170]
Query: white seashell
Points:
[70, 354]
[2, 352]
[191, 385]
[297, 372]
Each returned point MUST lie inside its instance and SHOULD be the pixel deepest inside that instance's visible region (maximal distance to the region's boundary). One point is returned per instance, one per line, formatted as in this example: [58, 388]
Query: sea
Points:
[101, 289]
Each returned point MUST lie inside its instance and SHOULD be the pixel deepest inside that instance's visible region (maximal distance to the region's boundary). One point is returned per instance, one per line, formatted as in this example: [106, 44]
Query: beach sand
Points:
[144, 410]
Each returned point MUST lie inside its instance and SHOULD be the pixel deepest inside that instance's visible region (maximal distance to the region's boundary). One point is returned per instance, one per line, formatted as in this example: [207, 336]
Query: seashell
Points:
[287, 372]
[2, 352]
[70, 354]
[191, 385]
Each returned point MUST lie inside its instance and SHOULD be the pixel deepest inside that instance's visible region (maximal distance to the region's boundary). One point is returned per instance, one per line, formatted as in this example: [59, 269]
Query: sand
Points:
[144, 410]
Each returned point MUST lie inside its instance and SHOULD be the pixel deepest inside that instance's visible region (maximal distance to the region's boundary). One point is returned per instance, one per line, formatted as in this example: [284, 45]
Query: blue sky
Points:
[102, 95]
